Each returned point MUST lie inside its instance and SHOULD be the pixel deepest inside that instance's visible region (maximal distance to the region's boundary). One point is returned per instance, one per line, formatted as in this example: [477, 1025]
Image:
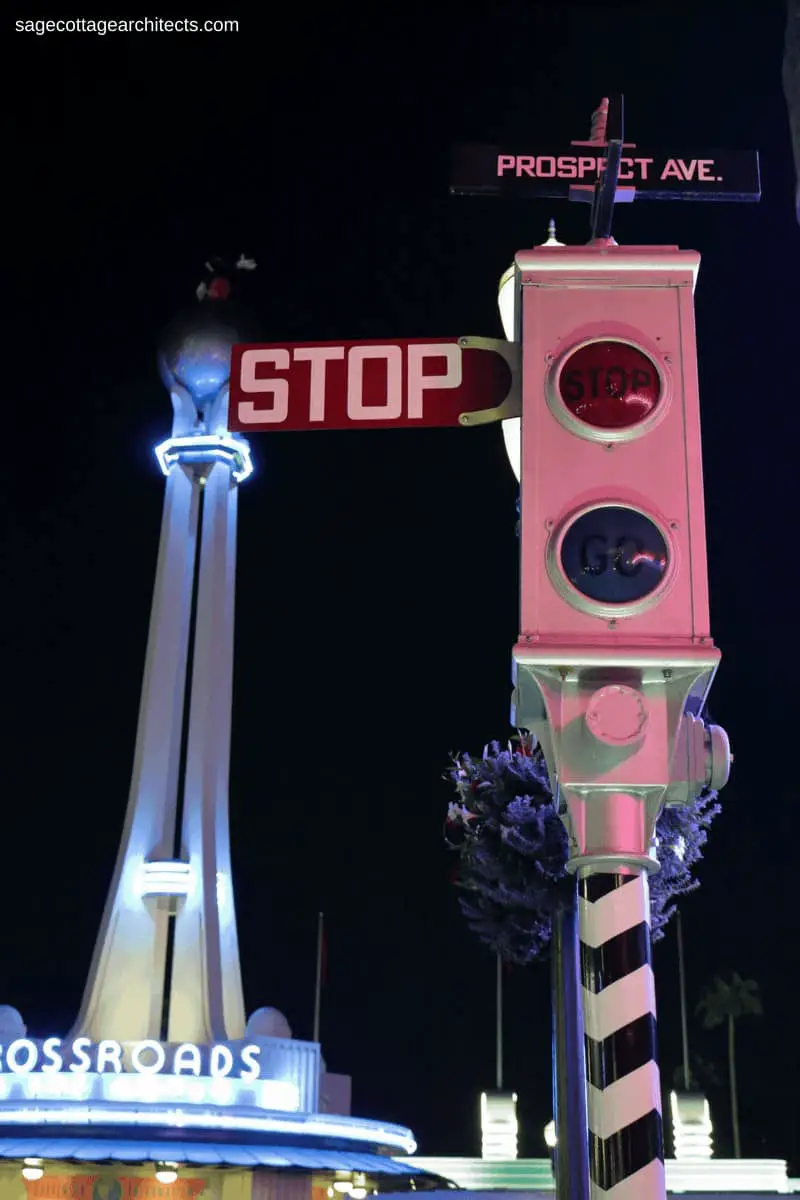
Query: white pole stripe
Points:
[629, 998]
[613, 914]
[622, 1102]
[650, 1181]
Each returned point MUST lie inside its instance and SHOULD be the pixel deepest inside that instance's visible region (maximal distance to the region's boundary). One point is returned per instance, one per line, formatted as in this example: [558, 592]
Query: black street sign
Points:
[559, 171]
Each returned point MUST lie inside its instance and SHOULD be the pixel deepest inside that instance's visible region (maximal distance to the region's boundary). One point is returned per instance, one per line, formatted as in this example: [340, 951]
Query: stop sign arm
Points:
[512, 405]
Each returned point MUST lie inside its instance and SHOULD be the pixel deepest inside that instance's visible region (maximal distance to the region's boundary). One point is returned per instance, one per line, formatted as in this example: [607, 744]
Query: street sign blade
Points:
[550, 171]
[419, 383]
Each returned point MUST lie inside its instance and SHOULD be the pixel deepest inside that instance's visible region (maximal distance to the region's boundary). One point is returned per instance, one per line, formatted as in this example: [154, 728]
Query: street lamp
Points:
[353, 1185]
[551, 1141]
[166, 1172]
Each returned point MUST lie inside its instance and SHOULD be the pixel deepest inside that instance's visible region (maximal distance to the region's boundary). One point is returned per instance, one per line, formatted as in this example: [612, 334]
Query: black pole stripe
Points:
[613, 960]
[616, 1158]
[594, 887]
[621, 1053]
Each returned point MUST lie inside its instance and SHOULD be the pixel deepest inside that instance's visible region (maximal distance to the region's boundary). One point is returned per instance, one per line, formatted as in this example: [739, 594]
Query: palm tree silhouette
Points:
[727, 1000]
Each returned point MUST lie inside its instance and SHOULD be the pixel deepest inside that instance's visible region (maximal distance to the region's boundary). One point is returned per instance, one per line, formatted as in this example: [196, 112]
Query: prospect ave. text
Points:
[589, 166]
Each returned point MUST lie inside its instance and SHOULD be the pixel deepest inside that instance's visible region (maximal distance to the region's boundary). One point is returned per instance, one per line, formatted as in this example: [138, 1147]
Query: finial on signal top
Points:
[599, 122]
[552, 240]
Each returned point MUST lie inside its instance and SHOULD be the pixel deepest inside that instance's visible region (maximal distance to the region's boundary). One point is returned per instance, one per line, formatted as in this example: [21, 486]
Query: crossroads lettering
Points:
[585, 166]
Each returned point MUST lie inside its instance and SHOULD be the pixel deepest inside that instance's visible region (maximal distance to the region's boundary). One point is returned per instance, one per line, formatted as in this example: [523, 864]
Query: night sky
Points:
[377, 574]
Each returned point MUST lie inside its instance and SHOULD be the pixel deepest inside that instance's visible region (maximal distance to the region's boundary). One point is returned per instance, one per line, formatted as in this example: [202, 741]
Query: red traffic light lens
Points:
[609, 385]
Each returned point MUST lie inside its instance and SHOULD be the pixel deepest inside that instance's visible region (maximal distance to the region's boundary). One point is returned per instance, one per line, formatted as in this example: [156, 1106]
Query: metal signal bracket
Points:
[512, 405]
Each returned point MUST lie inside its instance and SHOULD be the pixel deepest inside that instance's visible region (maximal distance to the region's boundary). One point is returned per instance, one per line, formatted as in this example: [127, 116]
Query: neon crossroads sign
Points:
[80, 1055]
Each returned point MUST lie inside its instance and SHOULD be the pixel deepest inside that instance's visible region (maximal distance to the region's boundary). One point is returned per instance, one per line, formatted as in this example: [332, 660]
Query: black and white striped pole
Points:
[623, 1087]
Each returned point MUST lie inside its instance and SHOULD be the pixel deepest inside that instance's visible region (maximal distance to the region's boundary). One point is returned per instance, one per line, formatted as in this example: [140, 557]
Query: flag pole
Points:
[687, 1074]
[318, 986]
[499, 1063]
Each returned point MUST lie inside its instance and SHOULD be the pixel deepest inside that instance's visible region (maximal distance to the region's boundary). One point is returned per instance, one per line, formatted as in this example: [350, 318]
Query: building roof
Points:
[204, 1154]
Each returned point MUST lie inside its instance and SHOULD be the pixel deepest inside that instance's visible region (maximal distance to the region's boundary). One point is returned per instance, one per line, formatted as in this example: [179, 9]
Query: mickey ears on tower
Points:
[219, 287]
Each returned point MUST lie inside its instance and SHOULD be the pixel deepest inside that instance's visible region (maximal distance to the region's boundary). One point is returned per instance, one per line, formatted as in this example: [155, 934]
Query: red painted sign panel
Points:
[362, 385]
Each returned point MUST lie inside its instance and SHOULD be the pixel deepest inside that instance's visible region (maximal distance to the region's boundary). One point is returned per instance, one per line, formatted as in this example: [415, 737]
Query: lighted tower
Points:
[166, 964]
[161, 1069]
